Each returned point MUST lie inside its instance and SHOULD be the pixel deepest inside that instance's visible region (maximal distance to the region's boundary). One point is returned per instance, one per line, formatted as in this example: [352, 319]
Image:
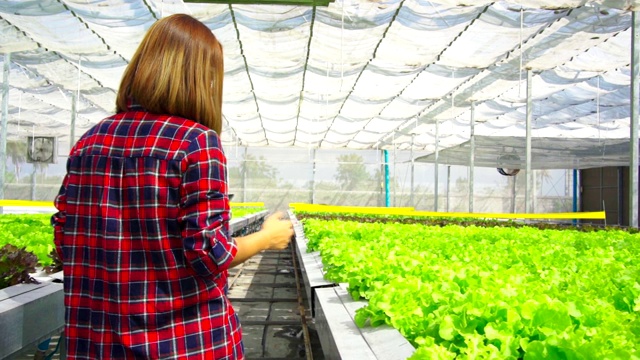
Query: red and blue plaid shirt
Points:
[142, 229]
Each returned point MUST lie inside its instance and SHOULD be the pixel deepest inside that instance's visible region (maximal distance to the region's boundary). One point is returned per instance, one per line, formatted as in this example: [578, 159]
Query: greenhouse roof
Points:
[355, 74]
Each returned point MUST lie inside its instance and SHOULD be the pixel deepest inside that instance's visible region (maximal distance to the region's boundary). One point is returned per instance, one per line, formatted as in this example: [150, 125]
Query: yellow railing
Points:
[409, 211]
[246, 204]
[26, 203]
[352, 209]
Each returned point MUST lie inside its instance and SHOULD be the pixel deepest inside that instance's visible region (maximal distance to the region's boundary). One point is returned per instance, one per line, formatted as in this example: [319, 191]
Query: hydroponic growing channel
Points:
[31, 299]
[474, 292]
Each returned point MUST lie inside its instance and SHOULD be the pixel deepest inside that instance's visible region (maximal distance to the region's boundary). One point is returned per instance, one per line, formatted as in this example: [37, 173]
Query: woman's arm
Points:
[275, 234]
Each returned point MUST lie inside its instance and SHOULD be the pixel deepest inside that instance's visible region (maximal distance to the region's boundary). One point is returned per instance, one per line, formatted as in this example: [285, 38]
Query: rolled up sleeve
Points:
[59, 218]
[205, 214]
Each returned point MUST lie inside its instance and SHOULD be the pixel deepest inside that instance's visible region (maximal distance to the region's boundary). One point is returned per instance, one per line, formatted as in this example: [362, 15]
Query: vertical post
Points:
[620, 197]
[244, 176]
[635, 99]
[514, 193]
[381, 186]
[386, 178]
[313, 178]
[411, 200]
[534, 191]
[435, 169]
[472, 155]
[529, 174]
[395, 178]
[5, 120]
[575, 193]
[34, 173]
[74, 110]
[448, 208]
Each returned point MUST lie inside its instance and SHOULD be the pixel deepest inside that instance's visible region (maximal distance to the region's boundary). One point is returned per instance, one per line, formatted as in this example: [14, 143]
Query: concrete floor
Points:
[264, 293]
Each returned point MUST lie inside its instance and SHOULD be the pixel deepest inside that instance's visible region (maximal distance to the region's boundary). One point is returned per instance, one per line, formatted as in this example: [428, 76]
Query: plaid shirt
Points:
[142, 228]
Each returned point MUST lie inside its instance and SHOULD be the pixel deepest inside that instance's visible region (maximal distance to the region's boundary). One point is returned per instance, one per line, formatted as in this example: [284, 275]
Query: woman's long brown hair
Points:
[177, 70]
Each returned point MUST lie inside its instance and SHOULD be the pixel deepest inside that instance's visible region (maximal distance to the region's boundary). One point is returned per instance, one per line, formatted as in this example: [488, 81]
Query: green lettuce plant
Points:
[473, 292]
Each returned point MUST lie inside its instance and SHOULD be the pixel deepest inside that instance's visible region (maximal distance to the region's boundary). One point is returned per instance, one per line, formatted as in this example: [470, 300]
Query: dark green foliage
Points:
[15, 266]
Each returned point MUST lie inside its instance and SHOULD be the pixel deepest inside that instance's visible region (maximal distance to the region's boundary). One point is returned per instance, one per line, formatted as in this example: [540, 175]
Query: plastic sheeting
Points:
[355, 74]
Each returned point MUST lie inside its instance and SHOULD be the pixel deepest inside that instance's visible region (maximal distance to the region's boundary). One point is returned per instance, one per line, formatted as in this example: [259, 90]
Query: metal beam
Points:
[313, 178]
[575, 193]
[435, 170]
[633, 139]
[472, 155]
[387, 198]
[244, 175]
[411, 198]
[74, 110]
[448, 208]
[528, 205]
[5, 120]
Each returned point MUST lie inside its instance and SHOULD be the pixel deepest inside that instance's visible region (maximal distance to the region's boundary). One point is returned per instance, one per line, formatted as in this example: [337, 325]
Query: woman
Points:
[143, 212]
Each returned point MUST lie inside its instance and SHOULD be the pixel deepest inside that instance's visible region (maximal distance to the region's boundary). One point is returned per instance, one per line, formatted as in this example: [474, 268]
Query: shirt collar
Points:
[132, 105]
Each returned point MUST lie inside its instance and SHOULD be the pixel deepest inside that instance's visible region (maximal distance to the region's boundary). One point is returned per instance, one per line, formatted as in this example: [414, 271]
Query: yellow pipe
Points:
[246, 204]
[409, 211]
[565, 215]
[352, 209]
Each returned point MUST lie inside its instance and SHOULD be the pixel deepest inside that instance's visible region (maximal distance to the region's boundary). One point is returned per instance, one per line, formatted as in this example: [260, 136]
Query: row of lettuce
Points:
[489, 292]
[26, 244]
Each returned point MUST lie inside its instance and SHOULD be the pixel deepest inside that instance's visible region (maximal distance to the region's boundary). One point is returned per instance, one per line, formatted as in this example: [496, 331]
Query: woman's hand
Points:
[278, 230]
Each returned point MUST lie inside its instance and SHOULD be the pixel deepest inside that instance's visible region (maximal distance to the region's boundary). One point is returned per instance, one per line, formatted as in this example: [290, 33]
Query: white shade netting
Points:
[353, 74]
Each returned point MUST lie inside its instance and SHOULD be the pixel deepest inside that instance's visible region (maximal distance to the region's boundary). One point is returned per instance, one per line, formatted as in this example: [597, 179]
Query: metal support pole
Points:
[472, 155]
[448, 188]
[381, 176]
[514, 193]
[34, 173]
[575, 193]
[395, 178]
[5, 120]
[244, 176]
[635, 99]
[529, 174]
[387, 199]
[435, 169]
[74, 110]
[620, 196]
[534, 191]
[411, 200]
[313, 178]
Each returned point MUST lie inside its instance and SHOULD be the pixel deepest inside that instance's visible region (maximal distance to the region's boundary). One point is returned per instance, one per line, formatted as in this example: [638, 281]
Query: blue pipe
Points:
[387, 198]
[575, 193]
